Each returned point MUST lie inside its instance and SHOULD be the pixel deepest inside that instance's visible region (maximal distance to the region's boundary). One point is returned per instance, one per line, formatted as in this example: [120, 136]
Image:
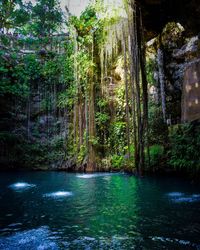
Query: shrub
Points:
[156, 154]
[117, 161]
[185, 145]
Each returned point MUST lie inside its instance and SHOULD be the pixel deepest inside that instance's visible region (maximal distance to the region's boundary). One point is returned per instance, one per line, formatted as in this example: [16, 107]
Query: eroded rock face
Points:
[181, 72]
[181, 59]
[184, 75]
[191, 93]
[177, 24]
[189, 50]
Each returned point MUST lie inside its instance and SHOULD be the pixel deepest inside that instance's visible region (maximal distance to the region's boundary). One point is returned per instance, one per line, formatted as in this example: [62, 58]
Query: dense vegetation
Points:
[78, 100]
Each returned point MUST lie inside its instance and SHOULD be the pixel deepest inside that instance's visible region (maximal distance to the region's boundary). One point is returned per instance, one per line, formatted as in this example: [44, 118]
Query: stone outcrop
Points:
[180, 73]
[191, 93]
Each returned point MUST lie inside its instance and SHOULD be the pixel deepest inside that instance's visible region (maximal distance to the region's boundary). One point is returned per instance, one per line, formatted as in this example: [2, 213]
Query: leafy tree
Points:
[46, 17]
[13, 14]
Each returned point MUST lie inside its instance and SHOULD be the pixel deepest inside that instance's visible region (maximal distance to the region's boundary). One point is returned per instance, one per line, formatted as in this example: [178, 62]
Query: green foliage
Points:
[46, 16]
[121, 102]
[102, 119]
[158, 130]
[118, 137]
[156, 154]
[117, 161]
[85, 24]
[102, 103]
[66, 83]
[20, 17]
[54, 70]
[184, 148]
[85, 65]
[81, 154]
[69, 63]
[34, 81]
[150, 69]
[37, 155]
[94, 140]
[66, 98]
[13, 14]
[16, 73]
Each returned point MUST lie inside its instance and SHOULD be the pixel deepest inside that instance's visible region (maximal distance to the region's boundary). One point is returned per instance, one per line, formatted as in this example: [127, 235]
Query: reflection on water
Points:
[175, 241]
[181, 197]
[58, 194]
[30, 239]
[97, 211]
[88, 176]
[44, 239]
[175, 194]
[21, 186]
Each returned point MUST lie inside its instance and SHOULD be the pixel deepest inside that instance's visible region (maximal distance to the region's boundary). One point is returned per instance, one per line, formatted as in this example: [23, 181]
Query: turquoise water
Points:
[58, 210]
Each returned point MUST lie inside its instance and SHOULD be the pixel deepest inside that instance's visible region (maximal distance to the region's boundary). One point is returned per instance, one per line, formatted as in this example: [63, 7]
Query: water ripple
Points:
[30, 239]
[59, 194]
[88, 176]
[21, 186]
[181, 197]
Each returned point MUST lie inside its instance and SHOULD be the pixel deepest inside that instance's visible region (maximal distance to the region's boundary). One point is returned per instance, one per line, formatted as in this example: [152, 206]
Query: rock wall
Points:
[184, 75]
[191, 92]
[180, 73]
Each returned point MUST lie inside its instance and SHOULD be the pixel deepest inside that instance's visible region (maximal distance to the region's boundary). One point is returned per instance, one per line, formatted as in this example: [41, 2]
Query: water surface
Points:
[57, 210]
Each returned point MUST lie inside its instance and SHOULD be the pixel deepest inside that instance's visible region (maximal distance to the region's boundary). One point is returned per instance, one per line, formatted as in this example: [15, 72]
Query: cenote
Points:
[99, 116]
[59, 210]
